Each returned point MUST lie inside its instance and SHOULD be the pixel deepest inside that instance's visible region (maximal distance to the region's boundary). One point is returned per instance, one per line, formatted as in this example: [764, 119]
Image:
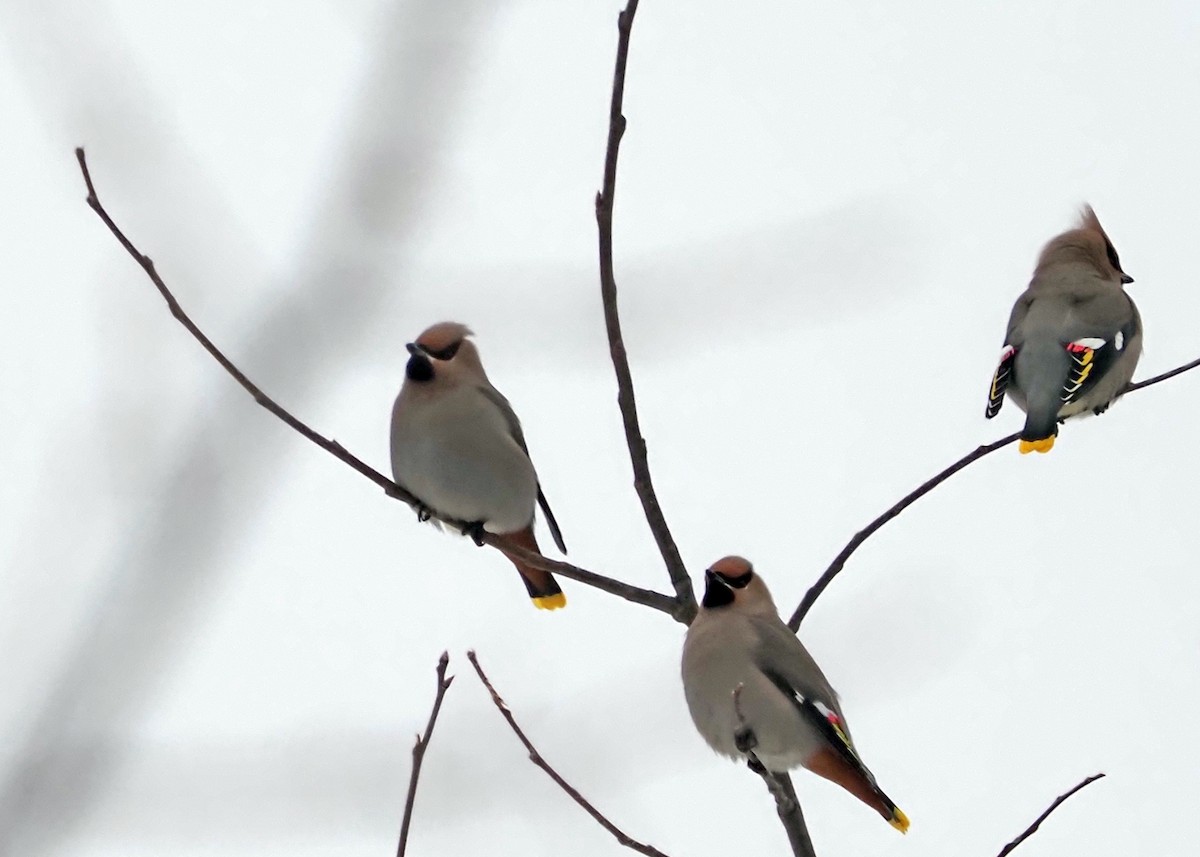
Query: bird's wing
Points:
[1000, 380]
[1091, 358]
[780, 652]
[1012, 339]
[1097, 331]
[514, 427]
[824, 719]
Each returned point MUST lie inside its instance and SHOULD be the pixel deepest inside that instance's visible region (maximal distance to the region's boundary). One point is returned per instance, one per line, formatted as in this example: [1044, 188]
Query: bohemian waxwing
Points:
[786, 714]
[1074, 336]
[458, 447]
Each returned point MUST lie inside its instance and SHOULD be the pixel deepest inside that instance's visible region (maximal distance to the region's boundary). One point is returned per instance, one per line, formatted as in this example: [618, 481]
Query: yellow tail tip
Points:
[550, 602]
[1045, 444]
[899, 820]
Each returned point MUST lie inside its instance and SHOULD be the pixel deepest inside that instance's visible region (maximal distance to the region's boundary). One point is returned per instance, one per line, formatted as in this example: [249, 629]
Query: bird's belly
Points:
[784, 740]
[464, 473]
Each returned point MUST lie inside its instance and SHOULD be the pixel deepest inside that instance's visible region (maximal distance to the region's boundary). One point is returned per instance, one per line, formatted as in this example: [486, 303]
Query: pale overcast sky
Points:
[220, 640]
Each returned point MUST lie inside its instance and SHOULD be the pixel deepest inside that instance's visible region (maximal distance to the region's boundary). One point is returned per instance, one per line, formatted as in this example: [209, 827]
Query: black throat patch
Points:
[419, 368]
[716, 594]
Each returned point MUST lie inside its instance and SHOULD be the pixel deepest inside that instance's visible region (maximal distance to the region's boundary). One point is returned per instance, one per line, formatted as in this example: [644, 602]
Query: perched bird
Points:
[1074, 336]
[755, 692]
[457, 446]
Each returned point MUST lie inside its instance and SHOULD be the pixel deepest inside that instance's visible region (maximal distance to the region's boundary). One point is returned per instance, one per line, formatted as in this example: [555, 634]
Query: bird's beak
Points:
[413, 348]
[1126, 279]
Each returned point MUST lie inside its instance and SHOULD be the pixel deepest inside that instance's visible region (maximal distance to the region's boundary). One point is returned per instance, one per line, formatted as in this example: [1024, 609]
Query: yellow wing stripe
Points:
[1083, 369]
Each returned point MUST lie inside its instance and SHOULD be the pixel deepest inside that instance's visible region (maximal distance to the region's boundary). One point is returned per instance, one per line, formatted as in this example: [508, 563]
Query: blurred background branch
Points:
[157, 580]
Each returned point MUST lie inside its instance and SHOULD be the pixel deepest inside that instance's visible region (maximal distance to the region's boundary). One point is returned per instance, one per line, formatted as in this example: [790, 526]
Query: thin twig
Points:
[649, 598]
[861, 536]
[741, 718]
[685, 597]
[262, 398]
[536, 758]
[1150, 382]
[1029, 831]
[636, 594]
[418, 751]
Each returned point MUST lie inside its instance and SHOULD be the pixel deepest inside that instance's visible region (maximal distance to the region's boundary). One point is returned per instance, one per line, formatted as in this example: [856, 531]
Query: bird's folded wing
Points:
[1000, 381]
[1091, 359]
[514, 427]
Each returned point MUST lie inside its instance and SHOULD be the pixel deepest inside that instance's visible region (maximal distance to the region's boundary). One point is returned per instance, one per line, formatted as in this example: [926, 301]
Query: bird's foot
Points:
[1098, 411]
[474, 529]
[424, 513]
[745, 740]
[753, 764]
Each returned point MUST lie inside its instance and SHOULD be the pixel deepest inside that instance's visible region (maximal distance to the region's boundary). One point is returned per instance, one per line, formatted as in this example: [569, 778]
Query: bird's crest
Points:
[732, 566]
[443, 335]
[1087, 241]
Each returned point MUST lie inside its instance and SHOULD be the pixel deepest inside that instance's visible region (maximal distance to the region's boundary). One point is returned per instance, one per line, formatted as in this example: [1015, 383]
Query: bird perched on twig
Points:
[755, 692]
[1074, 336]
[458, 447]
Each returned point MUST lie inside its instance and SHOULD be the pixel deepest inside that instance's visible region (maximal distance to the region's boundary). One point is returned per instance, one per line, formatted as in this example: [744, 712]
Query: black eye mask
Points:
[1115, 261]
[739, 582]
[446, 353]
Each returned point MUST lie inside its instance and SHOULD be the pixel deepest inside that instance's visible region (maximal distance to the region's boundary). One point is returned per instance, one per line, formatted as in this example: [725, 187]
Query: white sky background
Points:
[221, 640]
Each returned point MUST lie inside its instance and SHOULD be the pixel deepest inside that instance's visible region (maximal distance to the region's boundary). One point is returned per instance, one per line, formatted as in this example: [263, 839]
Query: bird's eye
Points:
[739, 582]
[446, 353]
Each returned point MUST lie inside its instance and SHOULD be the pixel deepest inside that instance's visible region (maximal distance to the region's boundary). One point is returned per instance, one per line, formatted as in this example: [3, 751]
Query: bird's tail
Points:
[856, 779]
[1039, 432]
[543, 589]
[1041, 367]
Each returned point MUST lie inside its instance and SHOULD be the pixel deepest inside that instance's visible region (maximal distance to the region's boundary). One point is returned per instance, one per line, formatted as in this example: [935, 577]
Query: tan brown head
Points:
[1088, 243]
[443, 339]
[732, 583]
[443, 351]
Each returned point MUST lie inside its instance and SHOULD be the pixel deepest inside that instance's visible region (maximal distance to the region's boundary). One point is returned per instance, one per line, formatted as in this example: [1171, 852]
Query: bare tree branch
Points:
[787, 805]
[536, 758]
[862, 535]
[418, 751]
[636, 594]
[1150, 382]
[649, 598]
[1029, 831]
[684, 595]
[781, 786]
